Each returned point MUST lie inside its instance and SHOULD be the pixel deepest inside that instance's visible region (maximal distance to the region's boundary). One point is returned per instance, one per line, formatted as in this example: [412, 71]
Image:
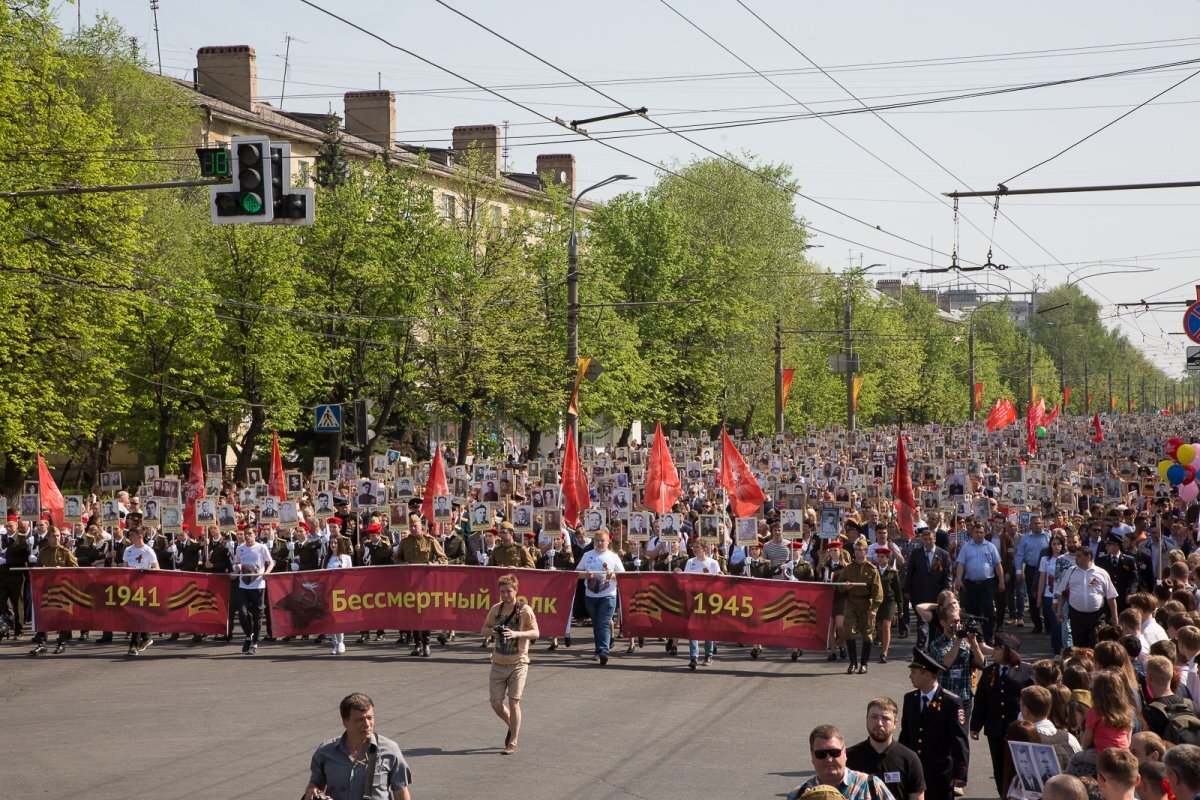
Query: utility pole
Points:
[1111, 408]
[778, 375]
[1087, 397]
[157, 44]
[1029, 370]
[971, 367]
[287, 52]
[1128, 394]
[849, 360]
[1144, 406]
[1062, 380]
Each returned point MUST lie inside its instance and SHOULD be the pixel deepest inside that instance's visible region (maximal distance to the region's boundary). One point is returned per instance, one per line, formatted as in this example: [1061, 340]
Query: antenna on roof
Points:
[504, 150]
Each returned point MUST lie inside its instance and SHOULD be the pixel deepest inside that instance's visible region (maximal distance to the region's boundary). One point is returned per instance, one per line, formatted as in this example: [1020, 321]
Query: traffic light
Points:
[363, 420]
[250, 197]
[292, 206]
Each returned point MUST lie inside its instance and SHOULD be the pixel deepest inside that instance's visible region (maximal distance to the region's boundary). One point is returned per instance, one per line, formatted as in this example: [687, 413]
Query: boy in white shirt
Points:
[600, 590]
[139, 555]
[701, 563]
[251, 561]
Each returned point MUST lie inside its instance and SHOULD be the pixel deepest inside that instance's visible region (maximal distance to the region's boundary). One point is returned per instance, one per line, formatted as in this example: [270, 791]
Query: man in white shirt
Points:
[704, 564]
[139, 555]
[251, 561]
[1036, 703]
[1086, 590]
[600, 566]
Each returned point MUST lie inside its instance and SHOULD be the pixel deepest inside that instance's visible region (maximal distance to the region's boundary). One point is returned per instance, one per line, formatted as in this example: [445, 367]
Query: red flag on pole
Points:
[195, 487]
[978, 396]
[1050, 417]
[576, 498]
[275, 486]
[1066, 396]
[788, 374]
[1003, 413]
[902, 492]
[1037, 412]
[435, 484]
[1099, 437]
[662, 479]
[51, 497]
[745, 495]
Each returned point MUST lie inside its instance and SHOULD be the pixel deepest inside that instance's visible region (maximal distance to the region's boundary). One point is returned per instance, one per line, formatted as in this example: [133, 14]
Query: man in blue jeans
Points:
[600, 566]
[1028, 558]
[705, 564]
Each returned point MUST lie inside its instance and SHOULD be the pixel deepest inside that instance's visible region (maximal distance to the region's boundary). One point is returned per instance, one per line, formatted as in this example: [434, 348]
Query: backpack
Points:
[1061, 741]
[1183, 724]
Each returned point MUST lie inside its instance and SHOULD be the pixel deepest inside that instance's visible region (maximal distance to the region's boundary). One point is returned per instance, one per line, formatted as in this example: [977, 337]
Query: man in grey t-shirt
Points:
[339, 767]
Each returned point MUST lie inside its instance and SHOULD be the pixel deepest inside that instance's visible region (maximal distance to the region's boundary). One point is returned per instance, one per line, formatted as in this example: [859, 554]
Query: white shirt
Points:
[140, 557]
[1046, 728]
[339, 562]
[1087, 589]
[1152, 632]
[707, 565]
[606, 562]
[253, 559]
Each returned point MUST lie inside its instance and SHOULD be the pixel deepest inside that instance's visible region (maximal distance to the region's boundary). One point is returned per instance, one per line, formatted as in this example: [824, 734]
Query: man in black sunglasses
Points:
[828, 749]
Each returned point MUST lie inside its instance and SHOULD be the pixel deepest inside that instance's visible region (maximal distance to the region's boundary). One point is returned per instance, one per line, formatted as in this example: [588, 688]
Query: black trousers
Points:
[249, 610]
[997, 746]
[979, 600]
[1032, 577]
[1083, 626]
[12, 599]
[420, 637]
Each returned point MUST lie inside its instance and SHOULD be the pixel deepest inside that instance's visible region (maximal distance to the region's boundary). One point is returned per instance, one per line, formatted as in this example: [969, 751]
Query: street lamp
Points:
[573, 296]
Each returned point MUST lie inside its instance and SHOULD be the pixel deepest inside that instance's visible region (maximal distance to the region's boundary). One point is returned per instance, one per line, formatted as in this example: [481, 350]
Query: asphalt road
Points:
[203, 721]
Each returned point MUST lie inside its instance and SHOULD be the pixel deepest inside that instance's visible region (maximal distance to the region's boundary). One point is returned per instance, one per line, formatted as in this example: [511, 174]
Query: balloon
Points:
[1163, 466]
[1189, 492]
[1041, 432]
[1172, 445]
[1196, 460]
[1185, 454]
[1189, 473]
[1175, 474]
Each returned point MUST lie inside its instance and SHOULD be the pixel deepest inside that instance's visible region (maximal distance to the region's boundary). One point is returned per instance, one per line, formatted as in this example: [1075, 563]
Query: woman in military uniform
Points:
[833, 559]
[892, 600]
[863, 590]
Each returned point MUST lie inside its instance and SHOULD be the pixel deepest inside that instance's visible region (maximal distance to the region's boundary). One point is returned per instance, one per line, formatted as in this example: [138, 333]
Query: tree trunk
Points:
[535, 444]
[465, 418]
[160, 452]
[748, 419]
[258, 422]
[626, 432]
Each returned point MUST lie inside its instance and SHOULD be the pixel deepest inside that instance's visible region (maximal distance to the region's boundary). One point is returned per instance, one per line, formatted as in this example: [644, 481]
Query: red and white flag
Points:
[1052, 415]
[51, 497]
[576, 498]
[662, 479]
[195, 487]
[745, 495]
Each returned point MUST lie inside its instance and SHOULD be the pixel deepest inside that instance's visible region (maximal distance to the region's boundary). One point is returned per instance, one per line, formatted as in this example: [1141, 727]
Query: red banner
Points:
[132, 600]
[726, 609]
[410, 598]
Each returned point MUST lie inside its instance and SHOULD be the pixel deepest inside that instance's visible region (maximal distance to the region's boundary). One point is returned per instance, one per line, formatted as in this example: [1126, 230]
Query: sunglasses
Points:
[832, 752]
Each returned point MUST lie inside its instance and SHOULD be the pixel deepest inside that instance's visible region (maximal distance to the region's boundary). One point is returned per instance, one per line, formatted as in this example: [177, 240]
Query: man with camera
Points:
[512, 626]
[957, 648]
[359, 764]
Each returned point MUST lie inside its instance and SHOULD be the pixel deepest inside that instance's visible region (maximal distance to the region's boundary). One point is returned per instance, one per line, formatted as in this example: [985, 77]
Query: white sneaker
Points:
[341, 648]
[333, 650]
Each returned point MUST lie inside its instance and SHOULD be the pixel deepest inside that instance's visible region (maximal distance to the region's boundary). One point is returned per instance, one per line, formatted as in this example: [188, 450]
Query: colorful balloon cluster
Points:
[1179, 467]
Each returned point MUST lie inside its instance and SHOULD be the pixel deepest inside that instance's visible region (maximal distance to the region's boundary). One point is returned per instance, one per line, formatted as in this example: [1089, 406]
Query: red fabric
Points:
[436, 484]
[574, 485]
[195, 488]
[134, 600]
[1050, 417]
[275, 486]
[745, 495]
[662, 479]
[1066, 396]
[1030, 431]
[726, 609]
[1003, 413]
[416, 597]
[1099, 437]
[978, 396]
[788, 374]
[1038, 412]
[51, 498]
[903, 500]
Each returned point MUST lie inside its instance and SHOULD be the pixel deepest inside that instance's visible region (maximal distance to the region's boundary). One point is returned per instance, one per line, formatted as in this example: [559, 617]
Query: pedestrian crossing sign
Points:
[328, 418]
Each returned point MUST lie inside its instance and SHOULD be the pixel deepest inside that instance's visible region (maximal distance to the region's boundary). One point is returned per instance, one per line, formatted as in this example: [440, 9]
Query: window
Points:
[448, 206]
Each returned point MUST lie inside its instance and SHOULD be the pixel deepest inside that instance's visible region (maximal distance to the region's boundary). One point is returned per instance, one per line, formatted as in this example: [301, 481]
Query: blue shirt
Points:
[979, 560]
[1029, 549]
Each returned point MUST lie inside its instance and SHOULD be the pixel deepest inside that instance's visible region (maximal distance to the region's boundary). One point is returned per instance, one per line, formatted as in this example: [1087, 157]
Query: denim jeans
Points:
[694, 649]
[601, 609]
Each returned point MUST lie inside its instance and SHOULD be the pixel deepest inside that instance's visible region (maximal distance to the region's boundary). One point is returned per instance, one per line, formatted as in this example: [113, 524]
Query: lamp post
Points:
[573, 297]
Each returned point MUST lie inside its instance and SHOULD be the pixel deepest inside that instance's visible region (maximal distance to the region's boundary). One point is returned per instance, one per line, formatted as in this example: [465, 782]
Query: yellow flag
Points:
[858, 382]
[1037, 392]
[1112, 403]
[584, 363]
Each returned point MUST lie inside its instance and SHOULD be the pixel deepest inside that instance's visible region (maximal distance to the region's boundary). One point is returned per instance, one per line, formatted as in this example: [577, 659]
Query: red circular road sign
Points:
[1191, 322]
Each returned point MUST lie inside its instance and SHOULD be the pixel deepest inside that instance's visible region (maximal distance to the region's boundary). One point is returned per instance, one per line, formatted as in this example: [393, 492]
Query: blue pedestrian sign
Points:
[328, 418]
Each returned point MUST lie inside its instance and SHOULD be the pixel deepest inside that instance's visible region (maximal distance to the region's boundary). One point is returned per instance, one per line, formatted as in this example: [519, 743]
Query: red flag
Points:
[662, 479]
[1003, 413]
[1053, 415]
[1066, 396]
[978, 396]
[574, 485]
[436, 484]
[275, 486]
[52, 499]
[195, 488]
[745, 495]
[1038, 412]
[902, 492]
[1099, 437]
[1031, 430]
[788, 374]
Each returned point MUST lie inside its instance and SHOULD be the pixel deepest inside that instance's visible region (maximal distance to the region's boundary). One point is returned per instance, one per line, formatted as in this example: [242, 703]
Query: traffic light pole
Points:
[127, 187]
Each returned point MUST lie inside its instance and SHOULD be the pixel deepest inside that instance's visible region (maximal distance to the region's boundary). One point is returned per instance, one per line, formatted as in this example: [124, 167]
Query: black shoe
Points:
[198, 638]
[850, 669]
[755, 651]
[641, 642]
[174, 637]
[841, 652]
[288, 638]
[268, 638]
[692, 664]
[883, 659]
[105, 639]
[604, 659]
[60, 648]
[416, 651]
[441, 639]
[38, 650]
[321, 639]
[567, 640]
[862, 668]
[832, 656]
[362, 639]
[245, 647]
[425, 651]
[553, 646]
[796, 655]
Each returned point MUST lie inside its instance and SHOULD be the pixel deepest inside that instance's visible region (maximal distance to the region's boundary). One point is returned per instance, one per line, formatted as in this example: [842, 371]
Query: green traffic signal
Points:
[251, 203]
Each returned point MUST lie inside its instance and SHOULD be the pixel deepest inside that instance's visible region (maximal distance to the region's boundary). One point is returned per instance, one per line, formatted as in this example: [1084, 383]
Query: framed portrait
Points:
[320, 470]
[254, 475]
[150, 508]
[710, 528]
[73, 508]
[594, 519]
[829, 521]
[172, 518]
[792, 520]
[442, 508]
[247, 497]
[212, 464]
[669, 525]
[269, 510]
[212, 482]
[294, 482]
[404, 488]
[3, 507]
[481, 515]
[746, 531]
[552, 520]
[289, 512]
[206, 511]
[150, 472]
[523, 518]
[227, 517]
[31, 508]
[639, 526]
[31, 487]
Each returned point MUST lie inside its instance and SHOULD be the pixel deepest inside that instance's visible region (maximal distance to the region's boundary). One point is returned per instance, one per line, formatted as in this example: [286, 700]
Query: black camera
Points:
[504, 646]
[968, 626]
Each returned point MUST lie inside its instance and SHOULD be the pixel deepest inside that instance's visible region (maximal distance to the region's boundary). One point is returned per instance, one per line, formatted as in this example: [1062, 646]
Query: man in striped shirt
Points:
[776, 550]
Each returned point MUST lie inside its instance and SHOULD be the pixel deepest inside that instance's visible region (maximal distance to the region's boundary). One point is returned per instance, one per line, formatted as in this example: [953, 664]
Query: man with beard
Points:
[885, 758]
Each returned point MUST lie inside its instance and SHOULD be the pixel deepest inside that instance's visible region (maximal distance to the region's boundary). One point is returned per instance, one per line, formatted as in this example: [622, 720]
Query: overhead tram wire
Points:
[660, 167]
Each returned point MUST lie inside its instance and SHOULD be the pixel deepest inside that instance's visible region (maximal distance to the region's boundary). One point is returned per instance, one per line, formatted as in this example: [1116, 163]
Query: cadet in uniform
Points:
[832, 561]
[893, 601]
[509, 553]
[862, 603]
[933, 727]
[52, 554]
[376, 551]
[418, 547]
[998, 699]
[312, 551]
[1121, 567]
[15, 550]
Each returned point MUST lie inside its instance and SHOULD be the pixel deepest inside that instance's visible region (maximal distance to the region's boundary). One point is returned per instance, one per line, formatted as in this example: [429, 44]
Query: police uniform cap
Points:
[922, 660]
[340, 501]
[1008, 640]
[1115, 538]
[506, 526]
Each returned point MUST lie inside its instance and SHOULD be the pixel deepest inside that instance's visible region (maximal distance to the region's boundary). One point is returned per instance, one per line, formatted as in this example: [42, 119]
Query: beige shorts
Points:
[507, 678]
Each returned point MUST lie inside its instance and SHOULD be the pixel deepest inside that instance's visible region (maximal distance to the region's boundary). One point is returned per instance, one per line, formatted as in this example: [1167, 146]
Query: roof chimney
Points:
[228, 73]
[480, 137]
[372, 116]
[557, 168]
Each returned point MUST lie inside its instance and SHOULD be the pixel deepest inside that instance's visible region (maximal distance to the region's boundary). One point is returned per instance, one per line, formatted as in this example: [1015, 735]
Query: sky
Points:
[870, 183]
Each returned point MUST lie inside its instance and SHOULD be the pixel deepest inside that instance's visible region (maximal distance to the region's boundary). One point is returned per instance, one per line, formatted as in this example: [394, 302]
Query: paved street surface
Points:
[189, 721]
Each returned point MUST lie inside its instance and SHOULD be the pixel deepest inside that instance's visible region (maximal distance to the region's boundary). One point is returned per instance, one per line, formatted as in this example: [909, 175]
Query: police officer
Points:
[1121, 567]
[998, 699]
[933, 726]
[863, 590]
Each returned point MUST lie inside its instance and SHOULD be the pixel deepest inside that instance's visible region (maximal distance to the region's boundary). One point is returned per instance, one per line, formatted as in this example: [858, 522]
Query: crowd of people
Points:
[1078, 543]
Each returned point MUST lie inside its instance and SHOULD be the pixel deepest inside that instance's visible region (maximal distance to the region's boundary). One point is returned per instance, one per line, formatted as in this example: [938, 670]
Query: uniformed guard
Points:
[311, 552]
[893, 600]
[998, 699]
[832, 561]
[863, 590]
[454, 546]
[509, 553]
[418, 547]
[1121, 567]
[934, 727]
